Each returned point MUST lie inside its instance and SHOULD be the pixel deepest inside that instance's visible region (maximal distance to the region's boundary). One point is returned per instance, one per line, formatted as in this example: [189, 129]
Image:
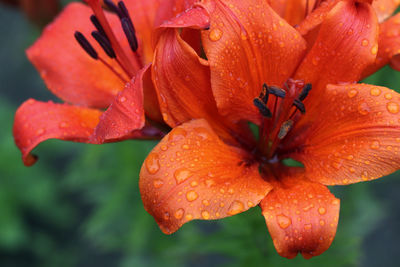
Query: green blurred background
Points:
[80, 204]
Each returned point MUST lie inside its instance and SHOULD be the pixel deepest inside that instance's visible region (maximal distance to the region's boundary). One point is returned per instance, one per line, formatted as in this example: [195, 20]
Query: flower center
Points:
[105, 37]
[280, 109]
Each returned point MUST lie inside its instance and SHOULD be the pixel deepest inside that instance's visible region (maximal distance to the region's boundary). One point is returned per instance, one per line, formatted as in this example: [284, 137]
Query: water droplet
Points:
[307, 226]
[352, 93]
[215, 34]
[152, 163]
[393, 107]
[322, 222]
[365, 42]
[231, 191]
[177, 134]
[236, 207]
[363, 108]
[250, 204]
[189, 217]
[352, 170]
[322, 210]
[283, 221]
[185, 146]
[122, 99]
[181, 175]
[335, 202]
[206, 202]
[375, 91]
[40, 131]
[166, 216]
[163, 147]
[205, 214]
[158, 183]
[209, 182]
[374, 49]
[350, 157]
[374, 145]
[388, 96]
[191, 195]
[307, 208]
[202, 132]
[179, 213]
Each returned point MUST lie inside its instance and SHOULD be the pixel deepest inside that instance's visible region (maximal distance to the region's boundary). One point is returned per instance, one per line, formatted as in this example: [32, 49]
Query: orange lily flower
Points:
[258, 68]
[105, 65]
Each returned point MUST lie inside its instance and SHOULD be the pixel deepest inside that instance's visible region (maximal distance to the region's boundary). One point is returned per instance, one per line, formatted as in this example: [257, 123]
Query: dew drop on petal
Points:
[375, 91]
[177, 134]
[181, 175]
[152, 163]
[158, 183]
[307, 226]
[215, 34]
[374, 145]
[236, 207]
[363, 108]
[365, 42]
[322, 210]
[393, 107]
[388, 96]
[205, 214]
[191, 195]
[63, 125]
[374, 49]
[40, 131]
[352, 93]
[283, 221]
[179, 213]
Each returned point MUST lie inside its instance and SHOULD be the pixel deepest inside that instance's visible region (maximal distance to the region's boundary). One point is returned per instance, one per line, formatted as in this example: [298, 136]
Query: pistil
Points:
[284, 103]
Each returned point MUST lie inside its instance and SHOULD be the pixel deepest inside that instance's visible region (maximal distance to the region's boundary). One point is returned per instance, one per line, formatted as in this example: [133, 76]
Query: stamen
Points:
[129, 33]
[112, 7]
[98, 26]
[285, 128]
[299, 105]
[305, 91]
[276, 91]
[84, 43]
[104, 43]
[262, 107]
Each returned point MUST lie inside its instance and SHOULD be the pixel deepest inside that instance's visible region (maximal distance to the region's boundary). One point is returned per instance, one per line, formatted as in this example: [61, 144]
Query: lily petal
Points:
[125, 114]
[345, 46]
[352, 134]
[385, 8]
[65, 67]
[247, 45]
[388, 46]
[301, 216]
[37, 121]
[182, 80]
[192, 174]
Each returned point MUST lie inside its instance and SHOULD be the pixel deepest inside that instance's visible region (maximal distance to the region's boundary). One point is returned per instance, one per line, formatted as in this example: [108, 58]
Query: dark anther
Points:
[123, 9]
[129, 33]
[84, 43]
[262, 107]
[98, 26]
[305, 91]
[104, 43]
[285, 128]
[112, 7]
[276, 91]
[299, 105]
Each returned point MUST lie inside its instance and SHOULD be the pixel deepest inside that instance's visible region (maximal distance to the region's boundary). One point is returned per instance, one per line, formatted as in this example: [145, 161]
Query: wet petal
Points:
[247, 45]
[125, 114]
[384, 8]
[352, 134]
[192, 174]
[345, 46]
[301, 216]
[37, 121]
[182, 81]
[388, 46]
[66, 69]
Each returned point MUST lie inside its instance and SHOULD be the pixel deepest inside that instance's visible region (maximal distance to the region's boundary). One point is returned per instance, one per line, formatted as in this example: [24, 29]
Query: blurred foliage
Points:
[80, 204]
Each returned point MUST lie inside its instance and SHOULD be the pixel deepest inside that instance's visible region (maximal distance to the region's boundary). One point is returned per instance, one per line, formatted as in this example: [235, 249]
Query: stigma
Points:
[280, 108]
